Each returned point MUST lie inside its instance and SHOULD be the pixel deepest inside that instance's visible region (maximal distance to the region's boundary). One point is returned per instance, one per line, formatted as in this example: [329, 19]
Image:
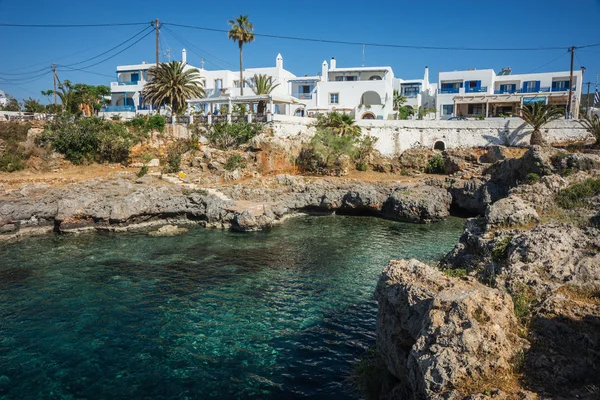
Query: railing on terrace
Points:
[448, 90]
[481, 89]
[535, 90]
[562, 89]
[118, 109]
[302, 96]
[507, 91]
[127, 83]
[410, 95]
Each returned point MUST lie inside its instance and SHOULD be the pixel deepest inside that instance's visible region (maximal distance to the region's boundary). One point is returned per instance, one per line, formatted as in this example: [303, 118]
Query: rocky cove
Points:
[511, 312]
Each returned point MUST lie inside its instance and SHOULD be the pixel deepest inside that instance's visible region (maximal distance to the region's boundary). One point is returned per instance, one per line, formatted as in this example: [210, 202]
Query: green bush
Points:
[223, 135]
[156, 122]
[365, 146]
[500, 250]
[174, 153]
[404, 172]
[146, 124]
[532, 178]
[88, 139]
[435, 165]
[14, 131]
[11, 161]
[577, 194]
[455, 273]
[234, 162]
[362, 166]
[326, 147]
[143, 171]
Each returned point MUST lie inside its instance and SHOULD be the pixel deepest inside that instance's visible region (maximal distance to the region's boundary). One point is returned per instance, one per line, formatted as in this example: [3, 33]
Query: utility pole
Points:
[156, 25]
[572, 51]
[54, 74]
[587, 101]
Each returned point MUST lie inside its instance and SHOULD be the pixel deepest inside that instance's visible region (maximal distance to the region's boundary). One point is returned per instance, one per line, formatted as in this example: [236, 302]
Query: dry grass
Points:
[506, 381]
[588, 296]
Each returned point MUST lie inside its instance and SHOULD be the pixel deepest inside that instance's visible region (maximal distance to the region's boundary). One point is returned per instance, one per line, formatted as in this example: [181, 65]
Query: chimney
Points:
[324, 71]
[333, 64]
[279, 61]
[184, 56]
[426, 78]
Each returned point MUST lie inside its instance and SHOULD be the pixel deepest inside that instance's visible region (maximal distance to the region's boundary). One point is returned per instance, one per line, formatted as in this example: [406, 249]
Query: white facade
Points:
[419, 93]
[3, 99]
[484, 93]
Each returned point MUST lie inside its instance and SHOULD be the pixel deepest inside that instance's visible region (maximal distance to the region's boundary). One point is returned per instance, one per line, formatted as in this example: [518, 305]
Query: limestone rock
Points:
[475, 194]
[418, 204]
[495, 153]
[453, 164]
[168, 230]
[415, 158]
[435, 332]
[510, 211]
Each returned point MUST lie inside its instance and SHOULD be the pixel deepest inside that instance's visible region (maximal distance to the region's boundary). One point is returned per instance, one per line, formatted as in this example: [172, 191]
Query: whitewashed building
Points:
[419, 93]
[483, 93]
[3, 99]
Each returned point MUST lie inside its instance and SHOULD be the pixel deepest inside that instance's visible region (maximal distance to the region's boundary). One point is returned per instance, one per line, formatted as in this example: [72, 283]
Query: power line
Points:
[548, 63]
[86, 71]
[72, 25]
[404, 46]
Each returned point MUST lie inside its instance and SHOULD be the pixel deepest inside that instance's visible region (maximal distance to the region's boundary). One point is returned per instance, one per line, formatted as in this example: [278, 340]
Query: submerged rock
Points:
[168, 230]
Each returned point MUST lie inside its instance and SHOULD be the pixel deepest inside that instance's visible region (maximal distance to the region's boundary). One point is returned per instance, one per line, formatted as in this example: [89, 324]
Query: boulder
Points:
[418, 204]
[510, 211]
[168, 230]
[415, 158]
[495, 153]
[474, 195]
[453, 164]
[436, 333]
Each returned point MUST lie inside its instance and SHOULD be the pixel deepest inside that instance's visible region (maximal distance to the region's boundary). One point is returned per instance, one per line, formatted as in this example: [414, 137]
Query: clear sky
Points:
[441, 23]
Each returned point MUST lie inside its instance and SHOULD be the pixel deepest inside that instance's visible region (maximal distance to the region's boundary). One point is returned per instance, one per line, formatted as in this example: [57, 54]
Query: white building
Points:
[419, 93]
[126, 92]
[3, 99]
[474, 93]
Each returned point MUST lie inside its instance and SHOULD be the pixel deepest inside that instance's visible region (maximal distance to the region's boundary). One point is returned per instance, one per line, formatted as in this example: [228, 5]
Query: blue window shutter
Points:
[478, 84]
[514, 87]
[537, 85]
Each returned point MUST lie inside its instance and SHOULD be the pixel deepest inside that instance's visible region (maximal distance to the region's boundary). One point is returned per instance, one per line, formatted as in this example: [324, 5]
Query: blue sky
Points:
[491, 24]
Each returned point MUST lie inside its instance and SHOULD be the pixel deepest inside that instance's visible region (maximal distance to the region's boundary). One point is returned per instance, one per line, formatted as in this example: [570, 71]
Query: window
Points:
[334, 98]
[508, 88]
[218, 84]
[339, 78]
[236, 84]
[305, 89]
[448, 109]
[475, 109]
[472, 84]
[352, 78]
[135, 77]
[531, 86]
[410, 89]
[560, 86]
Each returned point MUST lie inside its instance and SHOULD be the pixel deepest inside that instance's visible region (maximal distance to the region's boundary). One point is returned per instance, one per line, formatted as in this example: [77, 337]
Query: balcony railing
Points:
[480, 89]
[118, 108]
[506, 91]
[128, 83]
[535, 90]
[302, 96]
[562, 89]
[410, 95]
[527, 90]
[448, 90]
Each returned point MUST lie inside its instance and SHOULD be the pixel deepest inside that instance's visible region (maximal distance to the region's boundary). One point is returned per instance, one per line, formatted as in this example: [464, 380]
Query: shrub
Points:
[362, 166]
[523, 301]
[13, 131]
[532, 178]
[456, 273]
[329, 146]
[143, 171]
[404, 172]
[234, 162]
[174, 153]
[223, 135]
[576, 195]
[364, 149]
[147, 157]
[435, 165]
[11, 161]
[88, 139]
[146, 124]
[500, 250]
[156, 122]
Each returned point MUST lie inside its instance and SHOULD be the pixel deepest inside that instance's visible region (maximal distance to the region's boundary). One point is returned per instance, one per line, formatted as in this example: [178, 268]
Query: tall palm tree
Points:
[592, 125]
[537, 115]
[398, 99]
[171, 84]
[340, 123]
[241, 32]
[262, 84]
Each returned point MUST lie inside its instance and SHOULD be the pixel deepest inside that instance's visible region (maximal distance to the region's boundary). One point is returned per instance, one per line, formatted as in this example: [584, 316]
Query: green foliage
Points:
[174, 153]
[14, 131]
[11, 161]
[34, 106]
[330, 146]
[146, 124]
[524, 301]
[223, 135]
[404, 172]
[592, 125]
[11, 105]
[435, 165]
[234, 162]
[577, 194]
[398, 100]
[147, 157]
[369, 373]
[532, 178]
[143, 171]
[73, 96]
[365, 146]
[455, 273]
[172, 84]
[338, 123]
[500, 250]
[262, 84]
[480, 117]
[405, 111]
[88, 139]
[241, 33]
[537, 115]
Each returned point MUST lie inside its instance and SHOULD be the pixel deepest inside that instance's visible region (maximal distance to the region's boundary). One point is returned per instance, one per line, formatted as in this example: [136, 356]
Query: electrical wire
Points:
[548, 63]
[73, 25]
[86, 71]
[404, 46]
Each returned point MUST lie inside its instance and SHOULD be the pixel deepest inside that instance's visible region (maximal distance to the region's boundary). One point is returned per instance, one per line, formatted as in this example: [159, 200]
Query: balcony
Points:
[118, 109]
[127, 83]
[480, 89]
[506, 91]
[448, 90]
[303, 96]
[410, 95]
[561, 89]
[535, 90]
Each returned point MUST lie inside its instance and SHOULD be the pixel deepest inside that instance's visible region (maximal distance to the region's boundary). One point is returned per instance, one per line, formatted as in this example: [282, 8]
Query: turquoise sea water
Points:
[281, 314]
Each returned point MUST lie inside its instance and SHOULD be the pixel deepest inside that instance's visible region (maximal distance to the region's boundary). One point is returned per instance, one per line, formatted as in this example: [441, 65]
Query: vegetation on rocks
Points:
[435, 165]
[341, 124]
[12, 158]
[234, 162]
[224, 136]
[146, 124]
[592, 125]
[577, 194]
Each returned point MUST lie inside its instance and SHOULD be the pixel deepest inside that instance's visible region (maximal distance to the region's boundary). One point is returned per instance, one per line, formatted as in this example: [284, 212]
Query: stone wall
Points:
[397, 136]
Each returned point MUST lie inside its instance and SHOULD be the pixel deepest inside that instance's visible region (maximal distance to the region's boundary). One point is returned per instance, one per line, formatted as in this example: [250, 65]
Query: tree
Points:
[241, 32]
[537, 115]
[11, 105]
[262, 84]
[341, 124]
[592, 125]
[172, 84]
[398, 99]
[34, 106]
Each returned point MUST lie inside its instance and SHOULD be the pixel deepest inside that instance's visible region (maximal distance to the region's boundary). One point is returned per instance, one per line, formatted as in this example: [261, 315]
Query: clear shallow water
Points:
[210, 314]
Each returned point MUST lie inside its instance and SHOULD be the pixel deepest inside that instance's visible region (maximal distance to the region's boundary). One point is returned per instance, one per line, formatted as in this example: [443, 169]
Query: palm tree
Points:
[262, 84]
[340, 123]
[171, 84]
[537, 115]
[241, 32]
[398, 99]
[592, 125]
